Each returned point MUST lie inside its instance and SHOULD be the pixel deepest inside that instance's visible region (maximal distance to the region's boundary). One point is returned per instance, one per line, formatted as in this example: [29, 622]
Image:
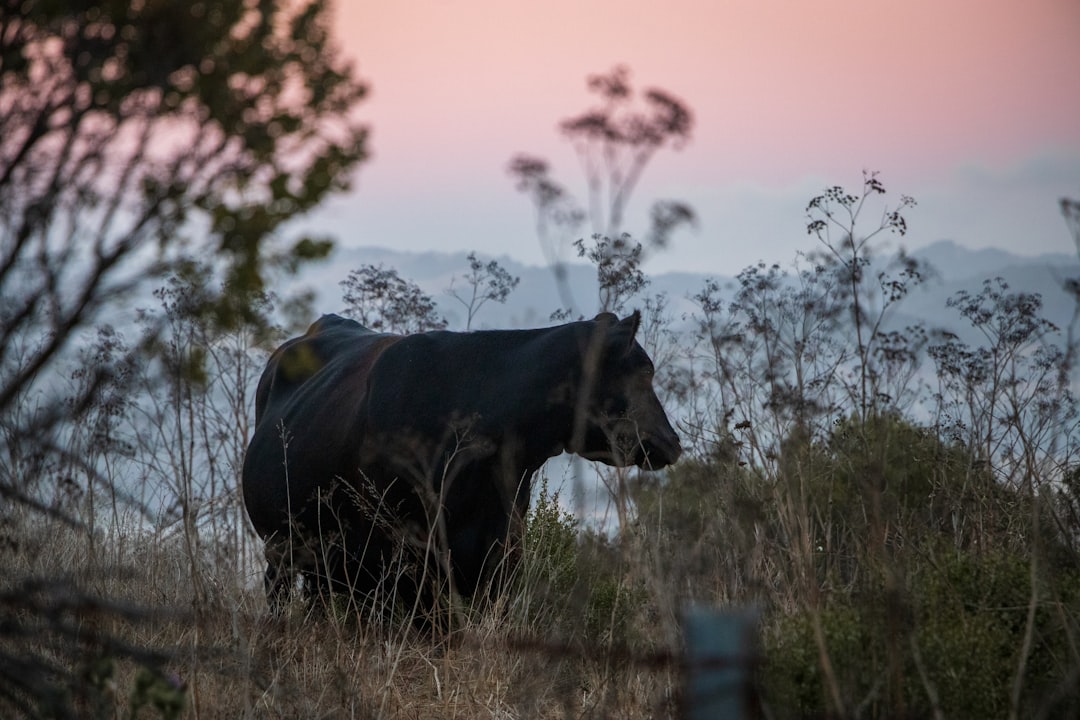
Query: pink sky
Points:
[952, 100]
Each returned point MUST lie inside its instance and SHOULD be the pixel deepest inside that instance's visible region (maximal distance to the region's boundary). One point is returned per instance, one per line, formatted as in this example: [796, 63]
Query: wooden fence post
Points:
[718, 664]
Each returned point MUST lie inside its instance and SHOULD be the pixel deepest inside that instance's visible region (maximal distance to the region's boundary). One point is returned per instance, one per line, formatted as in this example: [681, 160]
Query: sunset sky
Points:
[970, 106]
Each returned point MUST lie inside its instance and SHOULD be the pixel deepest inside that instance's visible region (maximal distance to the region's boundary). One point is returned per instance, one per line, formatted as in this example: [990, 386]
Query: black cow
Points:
[388, 464]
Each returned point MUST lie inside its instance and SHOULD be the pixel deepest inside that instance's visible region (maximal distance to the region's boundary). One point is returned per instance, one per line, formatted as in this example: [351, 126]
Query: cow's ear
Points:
[621, 335]
[606, 319]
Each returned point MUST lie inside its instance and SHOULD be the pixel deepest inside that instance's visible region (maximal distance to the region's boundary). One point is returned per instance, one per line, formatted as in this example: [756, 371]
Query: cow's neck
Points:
[533, 401]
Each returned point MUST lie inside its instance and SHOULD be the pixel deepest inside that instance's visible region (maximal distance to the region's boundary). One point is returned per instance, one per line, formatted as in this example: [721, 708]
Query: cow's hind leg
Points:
[280, 576]
[317, 591]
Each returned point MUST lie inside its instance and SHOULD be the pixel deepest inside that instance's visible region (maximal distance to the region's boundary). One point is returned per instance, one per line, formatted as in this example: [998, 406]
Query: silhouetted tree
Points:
[134, 137]
[382, 300]
[489, 281]
[1071, 210]
[615, 142]
[834, 218]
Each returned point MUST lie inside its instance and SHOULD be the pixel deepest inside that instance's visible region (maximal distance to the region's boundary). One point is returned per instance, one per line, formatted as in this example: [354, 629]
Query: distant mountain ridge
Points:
[538, 293]
[955, 262]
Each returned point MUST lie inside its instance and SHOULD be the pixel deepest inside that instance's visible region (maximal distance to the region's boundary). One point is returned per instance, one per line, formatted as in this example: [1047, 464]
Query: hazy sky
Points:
[970, 106]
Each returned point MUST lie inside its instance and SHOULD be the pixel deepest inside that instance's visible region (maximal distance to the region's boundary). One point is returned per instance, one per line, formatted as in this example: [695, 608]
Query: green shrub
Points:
[965, 613]
[573, 584]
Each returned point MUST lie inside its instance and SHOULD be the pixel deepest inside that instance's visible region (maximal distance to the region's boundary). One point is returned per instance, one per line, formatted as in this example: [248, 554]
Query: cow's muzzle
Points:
[655, 453]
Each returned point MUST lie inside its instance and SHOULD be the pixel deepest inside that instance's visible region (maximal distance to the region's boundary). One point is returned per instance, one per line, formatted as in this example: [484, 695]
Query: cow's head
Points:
[618, 418]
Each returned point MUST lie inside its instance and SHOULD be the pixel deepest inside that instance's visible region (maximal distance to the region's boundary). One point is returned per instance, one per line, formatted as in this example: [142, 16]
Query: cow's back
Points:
[308, 416]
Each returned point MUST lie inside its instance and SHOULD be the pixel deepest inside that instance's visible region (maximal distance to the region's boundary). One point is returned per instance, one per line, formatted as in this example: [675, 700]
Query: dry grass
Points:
[232, 660]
